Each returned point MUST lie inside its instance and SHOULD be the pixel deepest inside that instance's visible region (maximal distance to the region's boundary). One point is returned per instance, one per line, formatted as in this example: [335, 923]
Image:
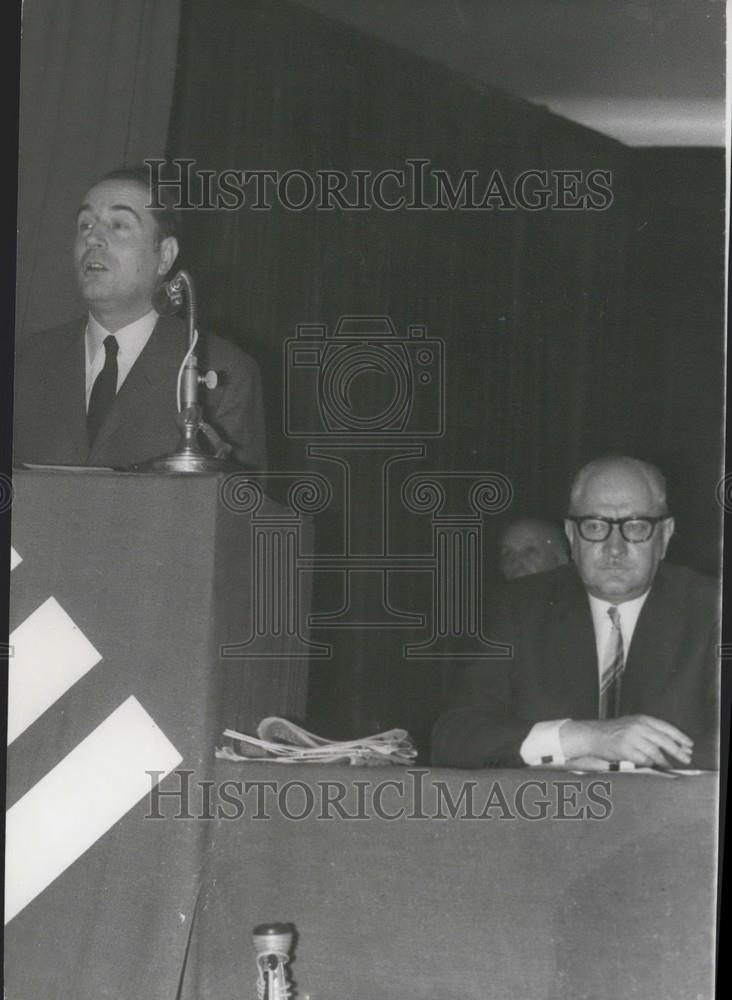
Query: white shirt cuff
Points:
[542, 745]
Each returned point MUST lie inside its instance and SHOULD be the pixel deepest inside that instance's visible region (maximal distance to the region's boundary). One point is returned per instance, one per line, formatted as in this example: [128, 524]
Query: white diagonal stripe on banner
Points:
[15, 558]
[80, 799]
[50, 654]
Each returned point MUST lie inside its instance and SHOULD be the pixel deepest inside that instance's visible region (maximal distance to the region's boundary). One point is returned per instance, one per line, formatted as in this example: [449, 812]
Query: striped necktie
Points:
[613, 664]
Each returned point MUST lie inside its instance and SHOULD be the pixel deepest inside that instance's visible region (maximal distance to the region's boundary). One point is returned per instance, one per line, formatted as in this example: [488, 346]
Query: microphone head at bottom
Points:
[272, 938]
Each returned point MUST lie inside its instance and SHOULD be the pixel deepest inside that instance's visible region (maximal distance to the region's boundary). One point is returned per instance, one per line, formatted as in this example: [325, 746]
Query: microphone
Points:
[188, 457]
[272, 943]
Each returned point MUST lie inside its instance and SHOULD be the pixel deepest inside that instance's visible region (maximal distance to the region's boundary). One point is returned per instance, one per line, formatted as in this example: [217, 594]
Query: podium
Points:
[126, 592]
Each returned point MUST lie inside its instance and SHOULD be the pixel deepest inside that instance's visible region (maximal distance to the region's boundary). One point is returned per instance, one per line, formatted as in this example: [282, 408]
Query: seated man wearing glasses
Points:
[614, 657]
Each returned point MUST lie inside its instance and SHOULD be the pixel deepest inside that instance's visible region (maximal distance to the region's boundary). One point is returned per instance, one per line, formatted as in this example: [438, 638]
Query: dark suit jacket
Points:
[50, 400]
[671, 668]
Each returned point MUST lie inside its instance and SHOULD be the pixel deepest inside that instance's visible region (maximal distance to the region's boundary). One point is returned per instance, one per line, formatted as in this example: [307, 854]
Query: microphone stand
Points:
[189, 456]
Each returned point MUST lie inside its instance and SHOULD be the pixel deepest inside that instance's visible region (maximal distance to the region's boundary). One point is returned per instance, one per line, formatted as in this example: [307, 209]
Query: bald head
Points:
[531, 545]
[620, 475]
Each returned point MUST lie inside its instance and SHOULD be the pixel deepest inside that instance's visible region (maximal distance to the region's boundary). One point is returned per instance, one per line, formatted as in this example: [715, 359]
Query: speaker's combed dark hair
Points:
[168, 217]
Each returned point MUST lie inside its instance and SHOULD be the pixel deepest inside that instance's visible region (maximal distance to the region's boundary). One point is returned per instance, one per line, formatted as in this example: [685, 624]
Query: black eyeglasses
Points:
[633, 529]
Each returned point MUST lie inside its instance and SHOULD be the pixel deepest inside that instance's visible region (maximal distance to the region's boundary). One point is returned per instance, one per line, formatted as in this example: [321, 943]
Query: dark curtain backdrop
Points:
[96, 86]
[566, 334]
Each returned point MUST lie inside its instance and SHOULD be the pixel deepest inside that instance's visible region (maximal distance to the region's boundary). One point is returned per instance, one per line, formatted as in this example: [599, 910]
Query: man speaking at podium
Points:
[614, 658]
[101, 391]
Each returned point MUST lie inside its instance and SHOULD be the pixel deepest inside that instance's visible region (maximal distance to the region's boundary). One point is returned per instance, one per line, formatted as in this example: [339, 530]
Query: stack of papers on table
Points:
[283, 741]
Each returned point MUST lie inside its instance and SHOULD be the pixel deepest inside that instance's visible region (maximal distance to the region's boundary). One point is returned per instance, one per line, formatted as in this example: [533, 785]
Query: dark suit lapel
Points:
[652, 654]
[150, 374]
[70, 381]
[571, 649]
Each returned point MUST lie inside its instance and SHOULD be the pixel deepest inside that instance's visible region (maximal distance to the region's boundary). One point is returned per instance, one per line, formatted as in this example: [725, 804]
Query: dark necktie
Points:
[612, 669]
[103, 390]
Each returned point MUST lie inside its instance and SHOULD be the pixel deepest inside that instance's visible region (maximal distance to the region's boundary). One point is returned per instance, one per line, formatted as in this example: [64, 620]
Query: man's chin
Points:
[92, 286]
[615, 587]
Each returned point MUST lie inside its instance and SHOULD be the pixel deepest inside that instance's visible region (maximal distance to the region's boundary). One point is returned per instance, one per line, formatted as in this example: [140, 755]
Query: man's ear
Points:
[168, 253]
[667, 527]
[569, 530]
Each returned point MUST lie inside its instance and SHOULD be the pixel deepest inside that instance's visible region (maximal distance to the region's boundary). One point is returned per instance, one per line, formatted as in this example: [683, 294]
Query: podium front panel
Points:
[124, 589]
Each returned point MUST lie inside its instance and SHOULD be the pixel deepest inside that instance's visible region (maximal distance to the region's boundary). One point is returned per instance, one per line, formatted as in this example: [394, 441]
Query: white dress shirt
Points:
[131, 339]
[542, 745]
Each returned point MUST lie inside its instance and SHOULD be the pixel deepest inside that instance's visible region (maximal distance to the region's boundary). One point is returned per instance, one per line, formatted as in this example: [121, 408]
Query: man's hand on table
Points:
[641, 739]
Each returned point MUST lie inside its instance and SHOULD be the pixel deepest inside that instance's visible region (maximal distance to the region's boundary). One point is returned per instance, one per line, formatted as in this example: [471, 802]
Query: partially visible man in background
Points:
[101, 391]
[531, 545]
